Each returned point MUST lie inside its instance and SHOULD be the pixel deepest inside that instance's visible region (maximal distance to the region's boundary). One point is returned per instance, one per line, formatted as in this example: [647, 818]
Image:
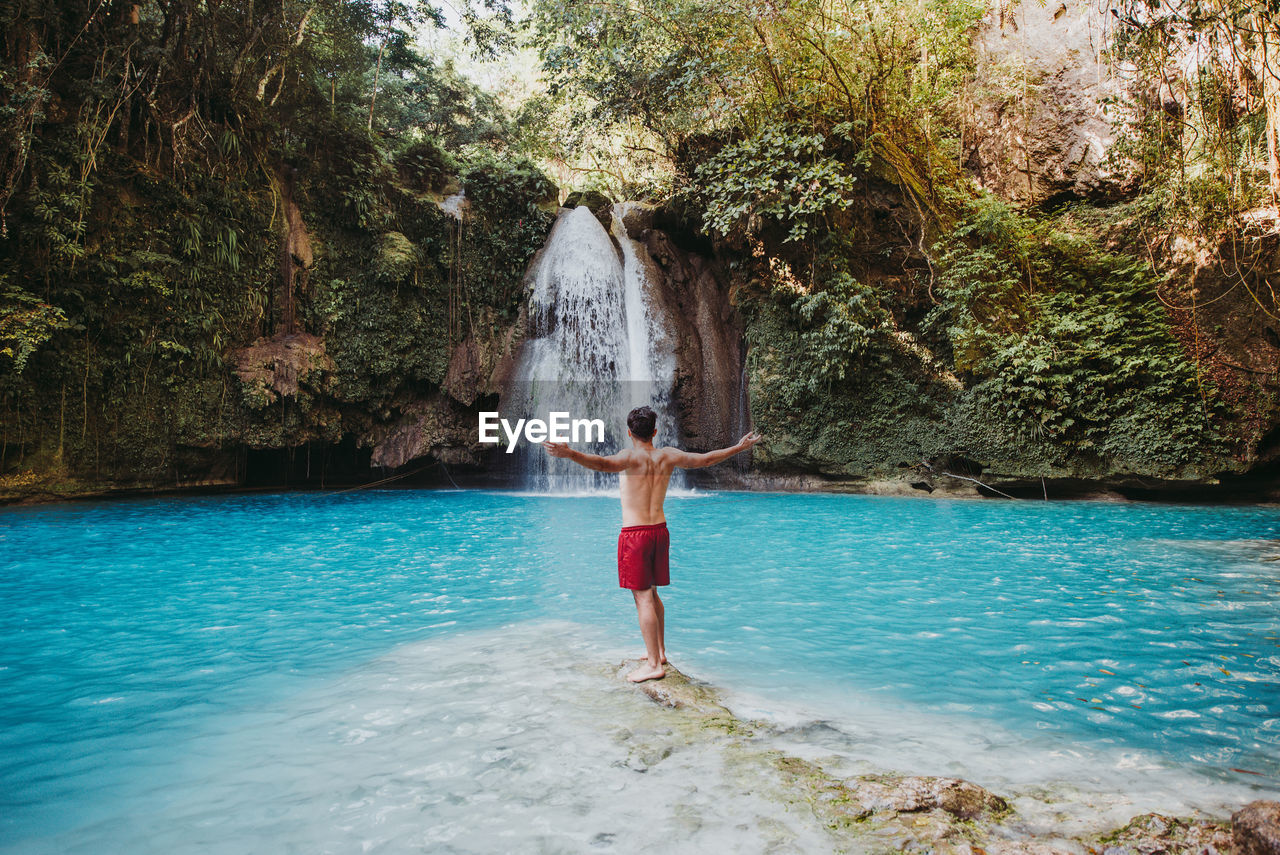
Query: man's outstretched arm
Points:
[613, 463]
[690, 460]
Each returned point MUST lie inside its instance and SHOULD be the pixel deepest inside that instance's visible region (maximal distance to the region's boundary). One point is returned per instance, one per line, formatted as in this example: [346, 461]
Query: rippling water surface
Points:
[404, 669]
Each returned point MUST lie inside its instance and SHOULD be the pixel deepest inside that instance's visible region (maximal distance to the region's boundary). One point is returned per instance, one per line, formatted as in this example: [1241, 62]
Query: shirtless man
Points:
[644, 473]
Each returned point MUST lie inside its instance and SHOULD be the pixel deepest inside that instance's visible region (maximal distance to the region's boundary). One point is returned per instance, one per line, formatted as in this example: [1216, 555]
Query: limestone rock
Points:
[483, 361]
[437, 426]
[961, 799]
[296, 256]
[1255, 828]
[1050, 846]
[831, 799]
[1155, 834]
[709, 345]
[1050, 133]
[593, 199]
[637, 218]
[677, 691]
[598, 203]
[280, 366]
[899, 813]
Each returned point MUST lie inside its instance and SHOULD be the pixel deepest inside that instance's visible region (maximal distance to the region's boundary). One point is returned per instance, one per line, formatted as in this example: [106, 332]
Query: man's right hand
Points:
[749, 440]
[557, 449]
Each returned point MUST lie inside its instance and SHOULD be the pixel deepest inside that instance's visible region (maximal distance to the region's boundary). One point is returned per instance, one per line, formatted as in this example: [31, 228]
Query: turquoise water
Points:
[154, 653]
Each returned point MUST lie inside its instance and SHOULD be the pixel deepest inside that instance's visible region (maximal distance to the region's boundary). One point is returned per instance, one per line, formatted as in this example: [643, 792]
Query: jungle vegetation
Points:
[784, 121]
[185, 177]
[158, 157]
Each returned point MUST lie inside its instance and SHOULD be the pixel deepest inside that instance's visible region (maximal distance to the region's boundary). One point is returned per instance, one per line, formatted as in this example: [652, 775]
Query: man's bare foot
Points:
[646, 672]
[663, 657]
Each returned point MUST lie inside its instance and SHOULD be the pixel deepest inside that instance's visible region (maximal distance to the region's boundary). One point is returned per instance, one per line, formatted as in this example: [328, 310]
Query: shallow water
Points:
[397, 670]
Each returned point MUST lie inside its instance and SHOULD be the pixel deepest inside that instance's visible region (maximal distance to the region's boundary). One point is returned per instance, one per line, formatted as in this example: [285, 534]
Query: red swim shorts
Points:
[643, 559]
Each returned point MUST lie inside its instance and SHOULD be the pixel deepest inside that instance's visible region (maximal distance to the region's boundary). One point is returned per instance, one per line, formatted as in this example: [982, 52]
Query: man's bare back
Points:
[644, 473]
[643, 485]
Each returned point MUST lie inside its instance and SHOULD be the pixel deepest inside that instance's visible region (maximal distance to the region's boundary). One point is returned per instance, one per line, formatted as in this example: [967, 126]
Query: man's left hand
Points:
[557, 449]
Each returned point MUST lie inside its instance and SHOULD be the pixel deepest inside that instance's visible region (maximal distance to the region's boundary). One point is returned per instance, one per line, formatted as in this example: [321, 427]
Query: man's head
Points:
[641, 422]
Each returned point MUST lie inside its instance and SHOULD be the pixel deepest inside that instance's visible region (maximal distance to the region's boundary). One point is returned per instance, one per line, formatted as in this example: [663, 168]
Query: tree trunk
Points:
[1271, 101]
[377, 68]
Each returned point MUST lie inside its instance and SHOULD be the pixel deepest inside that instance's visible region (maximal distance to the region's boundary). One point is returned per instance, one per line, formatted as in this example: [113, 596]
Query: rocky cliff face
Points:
[437, 425]
[1046, 133]
[440, 424]
[1046, 136]
[906, 424]
[443, 426]
[694, 292]
[1213, 298]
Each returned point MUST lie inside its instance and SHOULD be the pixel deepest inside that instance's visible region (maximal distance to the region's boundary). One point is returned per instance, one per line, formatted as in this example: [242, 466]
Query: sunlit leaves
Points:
[26, 322]
[839, 325]
[785, 175]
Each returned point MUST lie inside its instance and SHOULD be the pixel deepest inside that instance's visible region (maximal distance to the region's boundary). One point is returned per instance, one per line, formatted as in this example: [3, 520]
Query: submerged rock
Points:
[1154, 834]
[697, 699]
[912, 813]
[1255, 828]
[961, 799]
[881, 811]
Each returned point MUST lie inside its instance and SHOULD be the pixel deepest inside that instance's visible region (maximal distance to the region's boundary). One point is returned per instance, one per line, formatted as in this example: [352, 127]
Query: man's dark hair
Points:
[641, 422]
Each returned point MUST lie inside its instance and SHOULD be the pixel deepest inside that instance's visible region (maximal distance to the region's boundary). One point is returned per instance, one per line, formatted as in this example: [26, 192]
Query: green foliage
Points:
[501, 189]
[508, 221]
[877, 420]
[839, 326]
[435, 102]
[26, 322]
[426, 166]
[382, 339]
[808, 347]
[1100, 372]
[395, 258]
[986, 274]
[783, 174]
[1198, 138]
[1066, 342]
[772, 109]
[149, 201]
[780, 118]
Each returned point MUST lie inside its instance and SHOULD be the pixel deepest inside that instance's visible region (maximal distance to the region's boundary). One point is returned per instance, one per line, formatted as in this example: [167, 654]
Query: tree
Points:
[1236, 40]
[877, 84]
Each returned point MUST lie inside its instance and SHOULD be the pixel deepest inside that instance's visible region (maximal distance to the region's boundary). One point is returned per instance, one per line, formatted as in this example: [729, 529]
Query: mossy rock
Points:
[592, 199]
[425, 166]
[595, 202]
[396, 257]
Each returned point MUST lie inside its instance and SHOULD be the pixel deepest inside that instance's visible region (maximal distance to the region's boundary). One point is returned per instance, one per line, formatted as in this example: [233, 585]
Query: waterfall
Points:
[598, 346]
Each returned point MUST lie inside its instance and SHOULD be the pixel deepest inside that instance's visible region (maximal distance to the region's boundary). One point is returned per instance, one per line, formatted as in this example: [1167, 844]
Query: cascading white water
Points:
[598, 345]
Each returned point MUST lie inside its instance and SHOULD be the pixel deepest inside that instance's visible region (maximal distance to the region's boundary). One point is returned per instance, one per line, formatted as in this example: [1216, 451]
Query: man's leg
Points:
[648, 614]
[662, 626]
